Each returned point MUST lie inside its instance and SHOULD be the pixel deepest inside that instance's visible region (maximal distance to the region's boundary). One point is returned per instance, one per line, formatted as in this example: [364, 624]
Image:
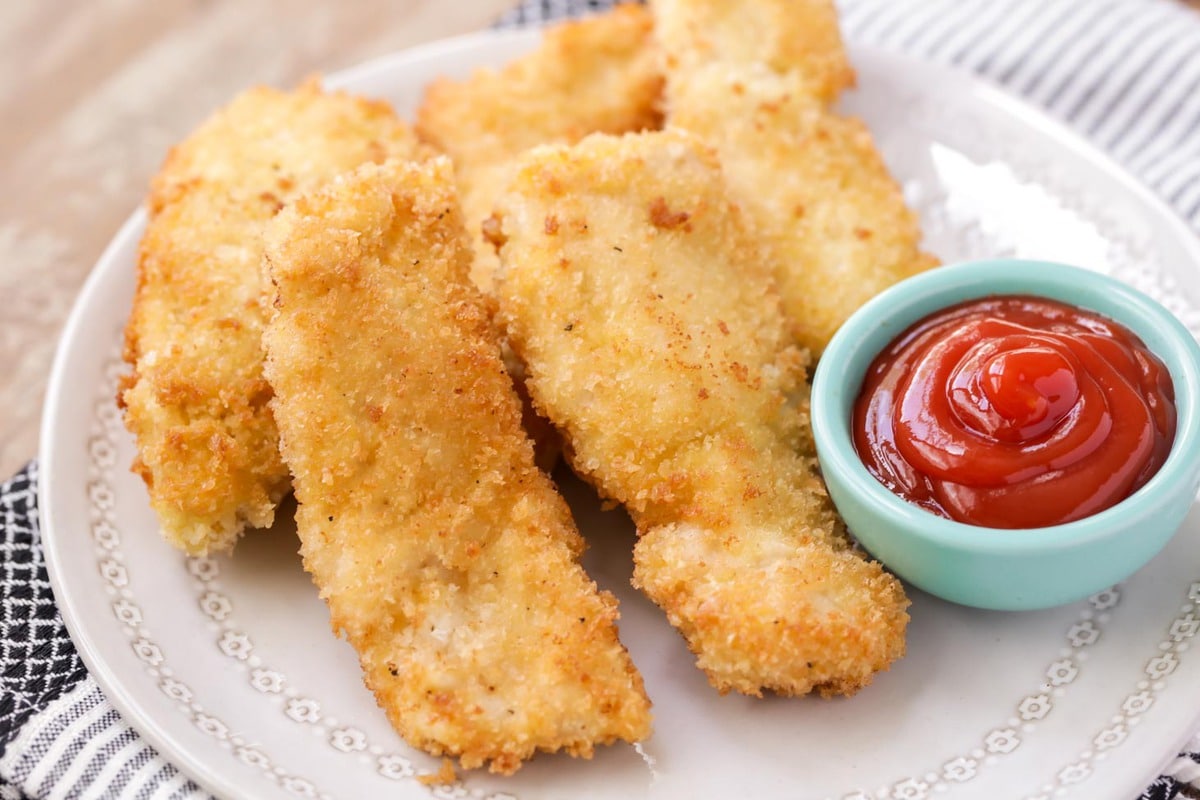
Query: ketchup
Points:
[1015, 412]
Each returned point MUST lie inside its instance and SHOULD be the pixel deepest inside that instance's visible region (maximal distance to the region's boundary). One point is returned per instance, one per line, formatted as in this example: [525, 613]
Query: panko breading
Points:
[645, 311]
[782, 35]
[448, 560]
[196, 400]
[597, 74]
[812, 182]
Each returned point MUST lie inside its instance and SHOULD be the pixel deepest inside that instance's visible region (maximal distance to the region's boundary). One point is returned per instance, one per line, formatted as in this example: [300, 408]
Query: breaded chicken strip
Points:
[448, 560]
[646, 313]
[196, 400]
[812, 182]
[780, 35]
[596, 74]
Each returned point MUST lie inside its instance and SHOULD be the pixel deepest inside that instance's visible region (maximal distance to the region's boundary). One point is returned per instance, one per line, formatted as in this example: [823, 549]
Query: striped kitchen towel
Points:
[1123, 73]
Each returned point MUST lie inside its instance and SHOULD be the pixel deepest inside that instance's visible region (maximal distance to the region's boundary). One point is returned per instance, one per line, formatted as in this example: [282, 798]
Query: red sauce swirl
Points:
[1015, 412]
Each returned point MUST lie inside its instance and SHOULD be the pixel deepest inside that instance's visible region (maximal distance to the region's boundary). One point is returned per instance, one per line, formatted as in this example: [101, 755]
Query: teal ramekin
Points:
[997, 568]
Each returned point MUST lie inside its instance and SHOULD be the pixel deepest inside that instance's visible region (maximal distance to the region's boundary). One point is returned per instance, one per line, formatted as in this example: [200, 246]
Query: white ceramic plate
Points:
[228, 666]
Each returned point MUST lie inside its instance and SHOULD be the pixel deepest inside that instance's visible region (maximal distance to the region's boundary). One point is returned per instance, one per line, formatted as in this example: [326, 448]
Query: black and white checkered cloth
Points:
[1124, 73]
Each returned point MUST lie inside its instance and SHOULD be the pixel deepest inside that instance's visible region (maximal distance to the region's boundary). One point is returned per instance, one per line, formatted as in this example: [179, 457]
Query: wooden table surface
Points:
[91, 96]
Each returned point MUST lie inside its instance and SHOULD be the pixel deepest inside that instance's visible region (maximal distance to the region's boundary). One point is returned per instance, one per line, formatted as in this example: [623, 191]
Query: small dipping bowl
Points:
[1008, 569]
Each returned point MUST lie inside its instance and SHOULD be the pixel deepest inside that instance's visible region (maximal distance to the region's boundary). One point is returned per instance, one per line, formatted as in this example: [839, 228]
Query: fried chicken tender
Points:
[645, 310]
[780, 35]
[196, 399]
[812, 182]
[448, 560]
[595, 74]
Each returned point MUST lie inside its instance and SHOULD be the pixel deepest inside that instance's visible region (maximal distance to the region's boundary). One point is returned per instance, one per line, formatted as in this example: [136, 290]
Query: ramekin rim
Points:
[898, 303]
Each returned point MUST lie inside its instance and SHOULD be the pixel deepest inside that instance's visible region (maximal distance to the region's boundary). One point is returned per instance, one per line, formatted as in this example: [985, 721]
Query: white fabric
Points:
[79, 747]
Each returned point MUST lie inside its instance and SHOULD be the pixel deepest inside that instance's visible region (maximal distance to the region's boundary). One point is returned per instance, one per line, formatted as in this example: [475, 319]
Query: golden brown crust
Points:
[196, 399]
[800, 36]
[596, 74]
[446, 557]
[646, 313]
[811, 181]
